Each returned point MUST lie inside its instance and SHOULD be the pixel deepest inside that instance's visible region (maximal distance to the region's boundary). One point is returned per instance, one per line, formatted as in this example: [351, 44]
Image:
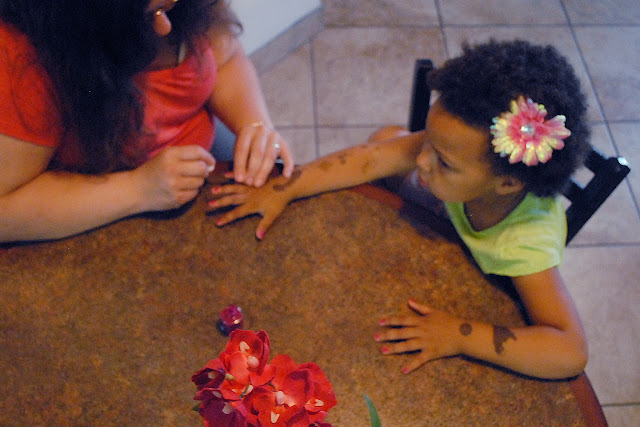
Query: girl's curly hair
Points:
[481, 83]
[91, 52]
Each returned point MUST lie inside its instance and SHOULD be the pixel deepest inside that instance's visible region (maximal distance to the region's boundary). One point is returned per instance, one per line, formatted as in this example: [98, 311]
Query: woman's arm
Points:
[346, 168]
[36, 204]
[554, 346]
[238, 101]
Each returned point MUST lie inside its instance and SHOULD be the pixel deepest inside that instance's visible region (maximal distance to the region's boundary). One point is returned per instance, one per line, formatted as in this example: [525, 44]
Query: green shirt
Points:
[529, 240]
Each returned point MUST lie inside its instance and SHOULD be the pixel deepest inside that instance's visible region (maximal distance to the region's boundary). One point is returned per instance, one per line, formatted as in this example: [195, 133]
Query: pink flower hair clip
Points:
[524, 135]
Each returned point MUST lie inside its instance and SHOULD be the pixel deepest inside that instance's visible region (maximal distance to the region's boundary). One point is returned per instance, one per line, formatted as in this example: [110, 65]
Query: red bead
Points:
[231, 318]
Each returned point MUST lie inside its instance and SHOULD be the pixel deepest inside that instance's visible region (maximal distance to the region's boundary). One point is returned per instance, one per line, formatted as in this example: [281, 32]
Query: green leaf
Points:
[373, 413]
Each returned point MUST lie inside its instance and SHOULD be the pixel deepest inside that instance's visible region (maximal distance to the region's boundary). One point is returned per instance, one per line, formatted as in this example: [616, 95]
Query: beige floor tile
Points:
[335, 139]
[617, 220]
[627, 138]
[363, 76]
[302, 142]
[623, 416]
[560, 37]
[340, 13]
[604, 286]
[287, 89]
[473, 12]
[603, 12]
[613, 62]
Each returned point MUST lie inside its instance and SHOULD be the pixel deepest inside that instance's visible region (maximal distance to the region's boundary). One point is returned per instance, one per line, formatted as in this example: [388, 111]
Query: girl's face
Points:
[158, 9]
[452, 164]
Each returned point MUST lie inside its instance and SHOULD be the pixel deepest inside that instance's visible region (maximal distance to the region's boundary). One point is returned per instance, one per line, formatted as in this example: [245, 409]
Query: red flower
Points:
[245, 357]
[241, 389]
[211, 376]
[220, 412]
[322, 397]
[298, 396]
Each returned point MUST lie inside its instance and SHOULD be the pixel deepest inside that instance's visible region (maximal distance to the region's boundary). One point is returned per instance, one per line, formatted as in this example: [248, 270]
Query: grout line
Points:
[314, 99]
[441, 26]
[603, 245]
[620, 404]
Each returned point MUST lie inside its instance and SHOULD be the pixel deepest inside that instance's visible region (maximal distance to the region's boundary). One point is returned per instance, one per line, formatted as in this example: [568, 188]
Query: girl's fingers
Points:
[401, 347]
[394, 334]
[228, 189]
[420, 308]
[416, 361]
[229, 200]
[264, 225]
[237, 213]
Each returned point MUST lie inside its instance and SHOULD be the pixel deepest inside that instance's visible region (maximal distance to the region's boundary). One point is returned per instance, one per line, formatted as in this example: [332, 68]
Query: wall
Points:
[263, 20]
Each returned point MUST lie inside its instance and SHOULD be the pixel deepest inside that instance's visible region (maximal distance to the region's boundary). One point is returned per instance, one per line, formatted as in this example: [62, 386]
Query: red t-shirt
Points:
[175, 101]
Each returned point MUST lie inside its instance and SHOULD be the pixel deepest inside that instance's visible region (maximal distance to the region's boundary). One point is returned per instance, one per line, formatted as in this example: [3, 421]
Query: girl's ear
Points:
[508, 185]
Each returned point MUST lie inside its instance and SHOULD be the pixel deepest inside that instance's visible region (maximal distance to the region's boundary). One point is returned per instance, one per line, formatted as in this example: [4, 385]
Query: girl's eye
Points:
[443, 163]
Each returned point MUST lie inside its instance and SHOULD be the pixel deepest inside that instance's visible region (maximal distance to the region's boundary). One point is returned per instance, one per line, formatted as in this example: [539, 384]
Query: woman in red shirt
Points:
[109, 111]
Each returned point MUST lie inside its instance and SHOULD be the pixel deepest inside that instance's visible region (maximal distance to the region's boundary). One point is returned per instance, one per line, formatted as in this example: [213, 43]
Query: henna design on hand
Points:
[294, 176]
[500, 335]
[465, 329]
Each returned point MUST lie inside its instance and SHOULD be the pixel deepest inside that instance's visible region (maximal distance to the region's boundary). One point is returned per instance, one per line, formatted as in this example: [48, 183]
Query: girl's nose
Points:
[161, 23]
[424, 160]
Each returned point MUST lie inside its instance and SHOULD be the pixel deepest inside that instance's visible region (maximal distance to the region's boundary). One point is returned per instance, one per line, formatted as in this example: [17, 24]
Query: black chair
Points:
[584, 200]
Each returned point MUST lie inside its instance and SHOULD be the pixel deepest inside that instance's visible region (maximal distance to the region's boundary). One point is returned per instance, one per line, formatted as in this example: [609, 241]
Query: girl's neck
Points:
[485, 212]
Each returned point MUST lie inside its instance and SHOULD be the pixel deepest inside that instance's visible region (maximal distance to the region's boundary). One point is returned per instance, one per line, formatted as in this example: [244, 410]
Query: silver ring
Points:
[277, 147]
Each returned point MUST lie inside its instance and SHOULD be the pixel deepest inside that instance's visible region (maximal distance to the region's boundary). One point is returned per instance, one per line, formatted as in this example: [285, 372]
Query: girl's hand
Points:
[173, 177]
[257, 148]
[435, 334]
[266, 201]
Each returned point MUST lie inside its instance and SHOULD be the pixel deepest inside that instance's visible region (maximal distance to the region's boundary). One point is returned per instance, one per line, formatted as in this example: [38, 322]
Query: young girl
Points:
[497, 158]
[107, 110]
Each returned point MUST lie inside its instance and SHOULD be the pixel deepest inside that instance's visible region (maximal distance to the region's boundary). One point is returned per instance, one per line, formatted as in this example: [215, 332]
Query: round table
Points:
[107, 327]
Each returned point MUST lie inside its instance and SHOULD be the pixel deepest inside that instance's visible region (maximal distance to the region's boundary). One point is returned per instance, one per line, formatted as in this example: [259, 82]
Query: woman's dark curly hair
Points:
[481, 83]
[91, 52]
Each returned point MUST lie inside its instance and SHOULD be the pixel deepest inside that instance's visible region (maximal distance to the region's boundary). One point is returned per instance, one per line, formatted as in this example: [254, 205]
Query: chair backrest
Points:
[608, 172]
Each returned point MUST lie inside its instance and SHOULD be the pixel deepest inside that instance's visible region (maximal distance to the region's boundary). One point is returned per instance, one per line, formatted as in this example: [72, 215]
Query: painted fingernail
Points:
[214, 190]
[212, 203]
[384, 350]
[219, 222]
[260, 234]
[382, 321]
[376, 337]
[405, 370]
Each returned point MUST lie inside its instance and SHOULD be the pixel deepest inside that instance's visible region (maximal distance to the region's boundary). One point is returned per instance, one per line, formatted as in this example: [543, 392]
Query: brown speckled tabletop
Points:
[107, 327]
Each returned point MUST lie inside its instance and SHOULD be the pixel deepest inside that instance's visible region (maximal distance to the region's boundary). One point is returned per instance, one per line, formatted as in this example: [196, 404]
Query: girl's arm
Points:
[554, 346]
[37, 204]
[238, 101]
[346, 168]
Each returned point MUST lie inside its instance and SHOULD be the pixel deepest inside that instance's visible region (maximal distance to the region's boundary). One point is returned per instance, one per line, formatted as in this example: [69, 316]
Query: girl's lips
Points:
[422, 182]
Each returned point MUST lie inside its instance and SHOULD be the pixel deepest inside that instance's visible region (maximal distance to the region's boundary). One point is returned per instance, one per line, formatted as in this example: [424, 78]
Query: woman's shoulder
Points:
[14, 43]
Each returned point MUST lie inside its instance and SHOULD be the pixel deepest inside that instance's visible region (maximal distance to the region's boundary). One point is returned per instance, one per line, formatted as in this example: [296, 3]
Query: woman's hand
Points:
[268, 201]
[257, 148]
[174, 176]
[435, 334]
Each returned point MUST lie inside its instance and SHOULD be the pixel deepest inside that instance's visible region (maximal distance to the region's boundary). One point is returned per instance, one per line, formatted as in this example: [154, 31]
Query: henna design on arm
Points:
[325, 165]
[465, 329]
[500, 335]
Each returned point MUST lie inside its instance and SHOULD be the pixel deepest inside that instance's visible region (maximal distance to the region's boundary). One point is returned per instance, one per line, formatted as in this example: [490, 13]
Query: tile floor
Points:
[355, 74]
